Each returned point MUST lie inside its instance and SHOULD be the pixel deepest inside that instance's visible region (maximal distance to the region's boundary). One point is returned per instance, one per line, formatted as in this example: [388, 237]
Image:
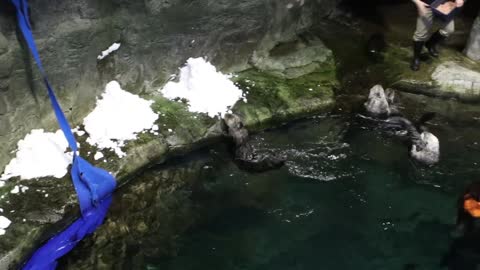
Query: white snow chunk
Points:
[118, 117]
[98, 156]
[15, 190]
[40, 154]
[206, 90]
[115, 46]
[4, 222]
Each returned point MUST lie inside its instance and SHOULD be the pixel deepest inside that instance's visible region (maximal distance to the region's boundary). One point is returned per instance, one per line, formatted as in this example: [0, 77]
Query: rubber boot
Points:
[417, 50]
[433, 42]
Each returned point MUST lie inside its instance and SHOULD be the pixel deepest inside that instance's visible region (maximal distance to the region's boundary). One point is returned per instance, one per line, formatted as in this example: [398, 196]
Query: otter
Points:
[424, 146]
[245, 154]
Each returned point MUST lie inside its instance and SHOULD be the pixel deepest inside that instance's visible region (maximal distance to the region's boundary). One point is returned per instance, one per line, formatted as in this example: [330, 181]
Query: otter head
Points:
[235, 128]
[377, 103]
[233, 121]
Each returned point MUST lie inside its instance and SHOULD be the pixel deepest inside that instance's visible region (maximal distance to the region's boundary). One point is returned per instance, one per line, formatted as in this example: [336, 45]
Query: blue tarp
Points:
[94, 186]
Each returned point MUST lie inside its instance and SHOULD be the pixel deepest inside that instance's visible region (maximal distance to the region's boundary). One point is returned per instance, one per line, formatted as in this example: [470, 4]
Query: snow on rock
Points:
[117, 118]
[207, 90]
[15, 190]
[39, 154]
[4, 223]
[112, 48]
[98, 156]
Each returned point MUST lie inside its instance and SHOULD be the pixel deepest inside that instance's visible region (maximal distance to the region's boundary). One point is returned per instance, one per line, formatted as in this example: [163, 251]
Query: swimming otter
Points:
[425, 147]
[246, 156]
[381, 103]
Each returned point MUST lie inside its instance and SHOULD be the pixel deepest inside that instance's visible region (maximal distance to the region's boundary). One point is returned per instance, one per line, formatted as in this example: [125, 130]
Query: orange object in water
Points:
[472, 207]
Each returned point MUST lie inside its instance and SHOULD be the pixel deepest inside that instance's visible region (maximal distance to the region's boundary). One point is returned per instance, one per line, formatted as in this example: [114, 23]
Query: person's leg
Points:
[422, 32]
[438, 37]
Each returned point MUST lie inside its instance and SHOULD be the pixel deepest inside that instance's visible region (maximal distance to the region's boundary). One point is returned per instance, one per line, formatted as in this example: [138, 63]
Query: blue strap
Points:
[22, 7]
[45, 258]
[93, 186]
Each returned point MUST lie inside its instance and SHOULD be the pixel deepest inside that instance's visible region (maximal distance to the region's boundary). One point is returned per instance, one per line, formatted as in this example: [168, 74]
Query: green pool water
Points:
[348, 198]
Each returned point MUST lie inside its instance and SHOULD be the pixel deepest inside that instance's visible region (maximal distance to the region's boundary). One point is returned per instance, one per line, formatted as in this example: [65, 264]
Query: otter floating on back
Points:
[425, 147]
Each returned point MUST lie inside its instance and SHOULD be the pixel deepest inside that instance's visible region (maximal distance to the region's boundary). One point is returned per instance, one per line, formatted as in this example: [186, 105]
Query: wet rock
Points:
[156, 6]
[6, 65]
[3, 44]
[5, 125]
[3, 106]
[294, 59]
[472, 50]
[458, 79]
[451, 76]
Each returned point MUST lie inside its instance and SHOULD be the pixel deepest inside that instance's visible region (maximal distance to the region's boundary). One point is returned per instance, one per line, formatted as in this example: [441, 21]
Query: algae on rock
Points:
[452, 75]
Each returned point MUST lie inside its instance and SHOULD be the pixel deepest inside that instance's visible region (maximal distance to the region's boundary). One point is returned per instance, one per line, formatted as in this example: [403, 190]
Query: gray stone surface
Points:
[157, 36]
[458, 79]
[293, 59]
[452, 75]
[472, 50]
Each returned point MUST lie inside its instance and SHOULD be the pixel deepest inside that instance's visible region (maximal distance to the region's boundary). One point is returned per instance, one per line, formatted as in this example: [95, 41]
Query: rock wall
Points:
[157, 36]
[472, 49]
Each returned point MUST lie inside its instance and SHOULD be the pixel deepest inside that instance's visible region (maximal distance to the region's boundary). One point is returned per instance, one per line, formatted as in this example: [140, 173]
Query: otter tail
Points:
[425, 118]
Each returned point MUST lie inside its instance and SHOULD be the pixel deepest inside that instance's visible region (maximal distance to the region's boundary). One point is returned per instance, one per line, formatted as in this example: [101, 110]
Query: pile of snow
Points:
[119, 116]
[112, 48]
[207, 90]
[4, 223]
[40, 154]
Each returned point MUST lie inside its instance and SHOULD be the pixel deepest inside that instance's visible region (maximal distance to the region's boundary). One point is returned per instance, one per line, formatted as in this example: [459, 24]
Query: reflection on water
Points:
[349, 198]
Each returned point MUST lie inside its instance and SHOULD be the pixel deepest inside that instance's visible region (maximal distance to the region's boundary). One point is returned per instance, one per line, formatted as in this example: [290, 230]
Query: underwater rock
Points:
[246, 156]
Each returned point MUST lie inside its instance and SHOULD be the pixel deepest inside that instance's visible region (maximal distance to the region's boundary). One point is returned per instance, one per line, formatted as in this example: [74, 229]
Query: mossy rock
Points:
[452, 75]
[271, 100]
